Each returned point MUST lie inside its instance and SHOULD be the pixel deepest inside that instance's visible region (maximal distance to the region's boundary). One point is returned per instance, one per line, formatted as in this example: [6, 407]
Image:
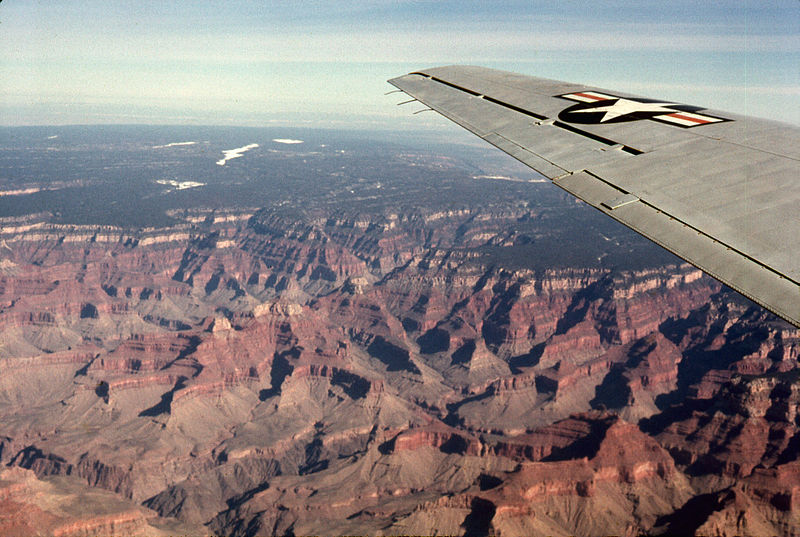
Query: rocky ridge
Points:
[273, 373]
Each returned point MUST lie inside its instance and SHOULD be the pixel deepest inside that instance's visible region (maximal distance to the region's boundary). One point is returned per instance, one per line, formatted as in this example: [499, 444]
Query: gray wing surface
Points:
[721, 191]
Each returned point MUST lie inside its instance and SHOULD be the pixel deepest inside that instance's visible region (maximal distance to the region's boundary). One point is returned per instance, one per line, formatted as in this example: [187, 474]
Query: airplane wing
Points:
[720, 190]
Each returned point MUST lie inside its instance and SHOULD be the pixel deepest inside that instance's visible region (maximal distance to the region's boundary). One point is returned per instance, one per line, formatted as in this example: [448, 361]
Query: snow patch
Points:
[507, 178]
[173, 144]
[286, 141]
[21, 191]
[179, 185]
[234, 153]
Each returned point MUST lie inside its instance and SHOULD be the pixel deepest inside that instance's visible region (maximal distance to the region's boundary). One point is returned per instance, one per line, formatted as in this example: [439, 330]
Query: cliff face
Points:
[67, 507]
[336, 374]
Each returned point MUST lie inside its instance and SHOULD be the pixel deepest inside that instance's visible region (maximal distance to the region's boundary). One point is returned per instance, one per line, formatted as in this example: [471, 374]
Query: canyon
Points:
[260, 375]
[383, 368]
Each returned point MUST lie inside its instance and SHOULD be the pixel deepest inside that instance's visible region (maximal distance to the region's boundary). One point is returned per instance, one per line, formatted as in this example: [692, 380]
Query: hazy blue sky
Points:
[326, 62]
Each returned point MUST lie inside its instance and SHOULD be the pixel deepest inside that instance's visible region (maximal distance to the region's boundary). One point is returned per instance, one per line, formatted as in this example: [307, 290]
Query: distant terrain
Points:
[295, 331]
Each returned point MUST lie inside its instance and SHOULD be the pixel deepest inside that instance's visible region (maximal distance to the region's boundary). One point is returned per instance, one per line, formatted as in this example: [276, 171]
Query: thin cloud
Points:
[724, 88]
[394, 45]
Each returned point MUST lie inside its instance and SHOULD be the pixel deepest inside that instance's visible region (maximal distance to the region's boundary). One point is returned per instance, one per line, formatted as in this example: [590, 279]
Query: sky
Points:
[325, 63]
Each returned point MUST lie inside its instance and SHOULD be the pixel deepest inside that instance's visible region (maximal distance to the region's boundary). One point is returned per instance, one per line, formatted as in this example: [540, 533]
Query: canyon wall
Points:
[256, 373]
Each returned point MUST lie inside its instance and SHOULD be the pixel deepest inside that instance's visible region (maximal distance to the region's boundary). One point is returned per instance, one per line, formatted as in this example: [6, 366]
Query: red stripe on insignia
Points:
[687, 118]
[593, 97]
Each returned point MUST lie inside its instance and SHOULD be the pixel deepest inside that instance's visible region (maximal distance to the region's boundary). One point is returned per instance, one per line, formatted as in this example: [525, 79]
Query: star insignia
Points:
[596, 108]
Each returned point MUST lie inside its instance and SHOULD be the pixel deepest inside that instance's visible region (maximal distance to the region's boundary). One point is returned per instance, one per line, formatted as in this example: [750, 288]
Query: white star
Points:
[623, 107]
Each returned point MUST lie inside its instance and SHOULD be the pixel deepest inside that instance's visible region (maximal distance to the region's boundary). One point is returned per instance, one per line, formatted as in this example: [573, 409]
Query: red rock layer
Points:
[340, 375]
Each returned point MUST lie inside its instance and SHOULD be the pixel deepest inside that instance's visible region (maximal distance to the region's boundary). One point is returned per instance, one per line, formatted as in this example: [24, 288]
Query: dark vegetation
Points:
[107, 175]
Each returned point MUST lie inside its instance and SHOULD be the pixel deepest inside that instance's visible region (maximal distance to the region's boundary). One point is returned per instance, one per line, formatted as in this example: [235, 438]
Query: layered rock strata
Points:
[334, 374]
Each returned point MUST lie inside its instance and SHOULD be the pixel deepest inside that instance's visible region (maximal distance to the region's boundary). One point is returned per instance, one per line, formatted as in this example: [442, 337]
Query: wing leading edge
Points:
[719, 190]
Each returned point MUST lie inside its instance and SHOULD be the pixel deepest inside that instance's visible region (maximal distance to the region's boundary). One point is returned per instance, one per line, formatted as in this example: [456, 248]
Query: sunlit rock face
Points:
[403, 369]
[300, 378]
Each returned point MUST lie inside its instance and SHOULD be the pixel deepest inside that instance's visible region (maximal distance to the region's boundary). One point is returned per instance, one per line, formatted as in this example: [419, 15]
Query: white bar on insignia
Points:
[688, 118]
[588, 96]
[678, 121]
